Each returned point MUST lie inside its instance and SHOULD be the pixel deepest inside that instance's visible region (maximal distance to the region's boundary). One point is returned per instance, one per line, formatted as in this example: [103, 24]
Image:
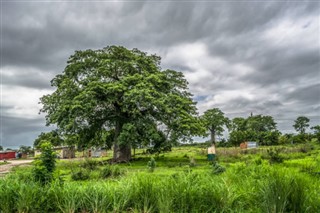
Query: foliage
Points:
[122, 90]
[301, 124]
[217, 168]
[237, 137]
[81, 174]
[90, 164]
[241, 188]
[274, 155]
[53, 137]
[214, 120]
[44, 166]
[111, 171]
[25, 149]
[260, 128]
[1, 148]
[192, 162]
[285, 139]
[151, 165]
[316, 133]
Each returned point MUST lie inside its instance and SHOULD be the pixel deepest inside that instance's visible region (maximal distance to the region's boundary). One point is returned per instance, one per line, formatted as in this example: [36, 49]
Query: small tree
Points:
[301, 124]
[45, 164]
[1, 148]
[214, 120]
[151, 165]
[316, 133]
[25, 149]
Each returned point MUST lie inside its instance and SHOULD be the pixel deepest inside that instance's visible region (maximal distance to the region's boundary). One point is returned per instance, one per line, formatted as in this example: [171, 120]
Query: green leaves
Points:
[120, 89]
[214, 120]
[301, 124]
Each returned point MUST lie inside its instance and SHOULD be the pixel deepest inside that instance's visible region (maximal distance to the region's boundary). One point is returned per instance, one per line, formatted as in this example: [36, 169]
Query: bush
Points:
[274, 155]
[106, 172]
[80, 175]
[111, 171]
[45, 165]
[90, 164]
[217, 168]
[151, 165]
[192, 162]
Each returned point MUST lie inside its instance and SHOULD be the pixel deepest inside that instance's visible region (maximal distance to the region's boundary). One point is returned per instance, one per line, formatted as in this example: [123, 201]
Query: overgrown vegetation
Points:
[237, 182]
[45, 165]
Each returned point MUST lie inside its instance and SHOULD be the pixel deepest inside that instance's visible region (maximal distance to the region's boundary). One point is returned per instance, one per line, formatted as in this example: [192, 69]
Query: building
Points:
[61, 151]
[249, 145]
[6, 155]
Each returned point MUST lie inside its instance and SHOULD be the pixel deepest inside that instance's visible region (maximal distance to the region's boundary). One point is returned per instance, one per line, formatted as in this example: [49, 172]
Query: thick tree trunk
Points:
[213, 136]
[121, 153]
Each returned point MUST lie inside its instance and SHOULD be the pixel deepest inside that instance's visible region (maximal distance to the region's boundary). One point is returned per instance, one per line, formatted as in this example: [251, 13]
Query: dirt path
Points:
[12, 163]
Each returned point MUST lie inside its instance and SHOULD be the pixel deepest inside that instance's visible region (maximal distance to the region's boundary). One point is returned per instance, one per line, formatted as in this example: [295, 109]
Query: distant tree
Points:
[301, 124]
[25, 149]
[260, 128]
[53, 137]
[260, 123]
[271, 138]
[238, 124]
[316, 133]
[237, 137]
[119, 89]
[214, 121]
[1, 148]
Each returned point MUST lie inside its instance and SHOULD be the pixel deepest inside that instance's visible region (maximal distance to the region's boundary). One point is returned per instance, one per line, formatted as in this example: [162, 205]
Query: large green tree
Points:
[214, 120]
[301, 124]
[259, 128]
[120, 90]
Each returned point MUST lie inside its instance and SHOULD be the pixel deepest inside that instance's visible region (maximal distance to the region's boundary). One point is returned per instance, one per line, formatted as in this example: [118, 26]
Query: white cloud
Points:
[21, 101]
[301, 33]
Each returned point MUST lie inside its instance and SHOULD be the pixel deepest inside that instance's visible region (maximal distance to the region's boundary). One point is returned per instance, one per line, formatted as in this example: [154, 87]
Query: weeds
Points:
[274, 155]
[151, 165]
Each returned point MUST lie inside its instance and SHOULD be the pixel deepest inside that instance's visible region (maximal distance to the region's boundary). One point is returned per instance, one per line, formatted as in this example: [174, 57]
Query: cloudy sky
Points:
[242, 57]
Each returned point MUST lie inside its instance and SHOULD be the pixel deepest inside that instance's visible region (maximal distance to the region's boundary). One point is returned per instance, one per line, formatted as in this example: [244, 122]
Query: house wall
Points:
[7, 155]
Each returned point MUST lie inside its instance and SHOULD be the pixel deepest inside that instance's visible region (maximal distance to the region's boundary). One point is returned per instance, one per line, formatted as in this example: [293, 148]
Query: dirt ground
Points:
[12, 163]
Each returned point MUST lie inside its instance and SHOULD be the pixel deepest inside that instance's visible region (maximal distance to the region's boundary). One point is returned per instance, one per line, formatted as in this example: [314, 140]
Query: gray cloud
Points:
[260, 57]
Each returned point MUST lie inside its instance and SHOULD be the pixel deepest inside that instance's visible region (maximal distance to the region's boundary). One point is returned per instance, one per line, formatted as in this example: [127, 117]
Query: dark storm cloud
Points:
[18, 131]
[236, 55]
[309, 94]
[25, 78]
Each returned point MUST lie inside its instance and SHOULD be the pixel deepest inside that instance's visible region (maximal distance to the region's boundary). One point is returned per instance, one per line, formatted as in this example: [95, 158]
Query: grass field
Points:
[182, 181]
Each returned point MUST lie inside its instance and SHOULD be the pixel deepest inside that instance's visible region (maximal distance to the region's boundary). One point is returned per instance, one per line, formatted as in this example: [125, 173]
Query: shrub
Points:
[90, 164]
[151, 165]
[111, 171]
[274, 155]
[192, 162]
[217, 168]
[80, 175]
[44, 166]
[116, 171]
[106, 172]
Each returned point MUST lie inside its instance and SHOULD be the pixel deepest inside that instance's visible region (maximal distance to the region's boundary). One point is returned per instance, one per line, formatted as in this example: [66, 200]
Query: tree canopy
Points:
[214, 120]
[53, 137]
[301, 124]
[124, 91]
[258, 128]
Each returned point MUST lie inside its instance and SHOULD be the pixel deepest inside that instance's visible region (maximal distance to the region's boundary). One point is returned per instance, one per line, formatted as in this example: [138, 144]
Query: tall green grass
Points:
[242, 188]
